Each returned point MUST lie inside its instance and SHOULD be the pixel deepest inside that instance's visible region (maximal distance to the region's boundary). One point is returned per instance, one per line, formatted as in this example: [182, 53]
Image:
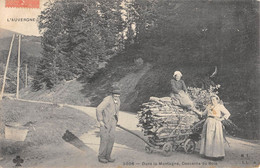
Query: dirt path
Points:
[129, 150]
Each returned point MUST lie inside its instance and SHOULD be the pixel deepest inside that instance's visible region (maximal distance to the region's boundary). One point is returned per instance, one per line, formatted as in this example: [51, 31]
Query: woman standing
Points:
[212, 140]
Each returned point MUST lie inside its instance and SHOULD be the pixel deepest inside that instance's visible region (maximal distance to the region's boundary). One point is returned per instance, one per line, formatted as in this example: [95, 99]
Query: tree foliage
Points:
[77, 36]
[198, 32]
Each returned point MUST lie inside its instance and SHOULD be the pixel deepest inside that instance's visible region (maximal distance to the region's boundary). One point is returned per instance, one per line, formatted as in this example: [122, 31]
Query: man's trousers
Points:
[107, 138]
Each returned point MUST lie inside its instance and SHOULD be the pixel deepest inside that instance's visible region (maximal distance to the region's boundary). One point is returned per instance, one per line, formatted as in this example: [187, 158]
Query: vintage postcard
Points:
[129, 83]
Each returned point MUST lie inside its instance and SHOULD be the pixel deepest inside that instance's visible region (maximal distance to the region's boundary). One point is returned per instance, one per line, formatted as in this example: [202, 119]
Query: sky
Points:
[26, 28]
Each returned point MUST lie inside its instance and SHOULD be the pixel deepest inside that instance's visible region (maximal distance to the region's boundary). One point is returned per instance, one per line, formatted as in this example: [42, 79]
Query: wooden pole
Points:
[18, 67]
[6, 67]
[26, 76]
[127, 130]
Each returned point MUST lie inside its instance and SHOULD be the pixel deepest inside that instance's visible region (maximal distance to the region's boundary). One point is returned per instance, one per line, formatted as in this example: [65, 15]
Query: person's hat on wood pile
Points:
[116, 90]
[177, 73]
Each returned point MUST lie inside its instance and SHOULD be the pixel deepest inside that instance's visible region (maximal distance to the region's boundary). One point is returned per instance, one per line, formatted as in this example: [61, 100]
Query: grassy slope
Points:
[124, 72]
[30, 46]
[44, 142]
[51, 121]
[67, 92]
[6, 33]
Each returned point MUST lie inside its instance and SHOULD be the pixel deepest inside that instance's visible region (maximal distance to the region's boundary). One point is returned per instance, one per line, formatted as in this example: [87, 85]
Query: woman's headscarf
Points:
[177, 73]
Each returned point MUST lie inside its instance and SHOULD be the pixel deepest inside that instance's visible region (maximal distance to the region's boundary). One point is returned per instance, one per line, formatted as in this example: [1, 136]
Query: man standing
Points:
[107, 116]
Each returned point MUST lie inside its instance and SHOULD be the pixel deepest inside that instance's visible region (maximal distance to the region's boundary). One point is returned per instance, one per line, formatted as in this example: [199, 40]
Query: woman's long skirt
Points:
[182, 99]
[212, 141]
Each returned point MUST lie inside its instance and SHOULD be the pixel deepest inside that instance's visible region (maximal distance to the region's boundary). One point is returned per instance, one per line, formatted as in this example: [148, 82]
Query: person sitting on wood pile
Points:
[179, 93]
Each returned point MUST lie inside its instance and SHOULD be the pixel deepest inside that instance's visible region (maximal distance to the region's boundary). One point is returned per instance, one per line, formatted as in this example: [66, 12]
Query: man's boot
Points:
[102, 160]
[111, 160]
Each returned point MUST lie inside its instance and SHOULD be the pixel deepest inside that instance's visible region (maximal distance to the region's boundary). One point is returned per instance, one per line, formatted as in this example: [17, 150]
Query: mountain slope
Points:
[30, 46]
[30, 55]
[67, 92]
[6, 33]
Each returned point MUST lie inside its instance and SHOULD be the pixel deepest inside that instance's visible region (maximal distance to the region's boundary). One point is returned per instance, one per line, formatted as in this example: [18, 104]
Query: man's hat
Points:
[116, 90]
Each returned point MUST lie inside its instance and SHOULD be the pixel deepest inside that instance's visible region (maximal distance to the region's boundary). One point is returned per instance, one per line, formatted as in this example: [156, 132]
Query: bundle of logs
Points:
[161, 113]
